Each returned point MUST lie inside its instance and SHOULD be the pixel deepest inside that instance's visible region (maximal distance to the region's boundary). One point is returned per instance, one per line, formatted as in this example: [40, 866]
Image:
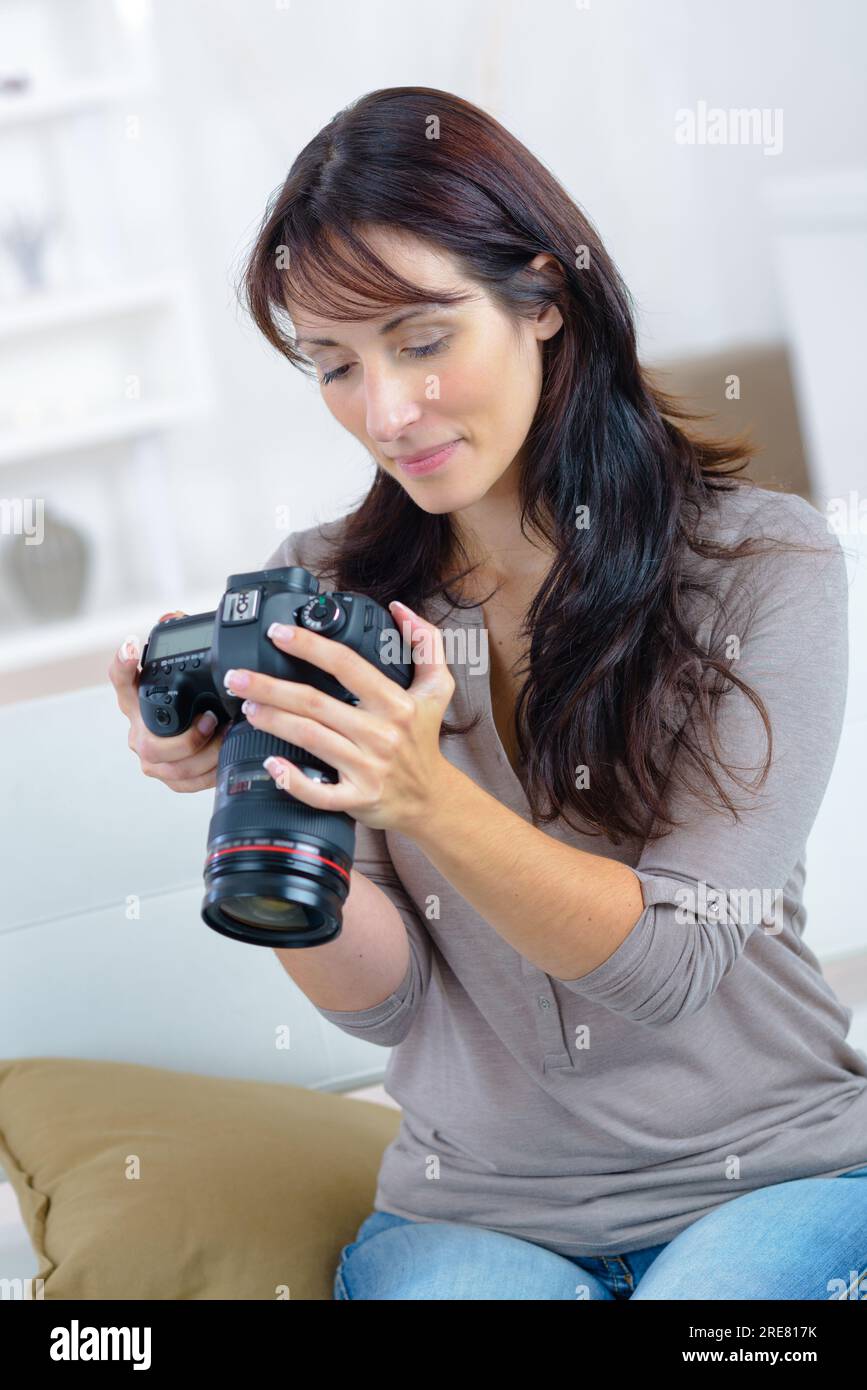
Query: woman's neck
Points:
[503, 556]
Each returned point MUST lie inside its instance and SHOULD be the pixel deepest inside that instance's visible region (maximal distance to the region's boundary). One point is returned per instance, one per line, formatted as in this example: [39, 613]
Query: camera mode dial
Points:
[322, 614]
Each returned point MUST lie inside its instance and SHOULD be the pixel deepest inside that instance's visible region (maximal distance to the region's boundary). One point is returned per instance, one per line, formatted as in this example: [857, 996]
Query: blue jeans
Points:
[805, 1239]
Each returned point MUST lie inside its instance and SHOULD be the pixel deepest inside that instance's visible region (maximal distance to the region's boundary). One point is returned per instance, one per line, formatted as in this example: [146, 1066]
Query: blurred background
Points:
[150, 442]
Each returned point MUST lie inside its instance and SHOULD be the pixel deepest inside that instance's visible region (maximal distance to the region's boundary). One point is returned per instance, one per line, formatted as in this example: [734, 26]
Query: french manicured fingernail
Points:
[285, 631]
[207, 722]
[236, 680]
[128, 651]
[249, 707]
[273, 765]
[397, 603]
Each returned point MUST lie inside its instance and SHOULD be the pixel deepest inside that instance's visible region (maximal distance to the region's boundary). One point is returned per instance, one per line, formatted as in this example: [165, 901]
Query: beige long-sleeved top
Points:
[707, 1055]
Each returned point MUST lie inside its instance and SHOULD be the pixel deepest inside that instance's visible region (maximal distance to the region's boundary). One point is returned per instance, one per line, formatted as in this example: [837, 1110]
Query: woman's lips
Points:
[427, 465]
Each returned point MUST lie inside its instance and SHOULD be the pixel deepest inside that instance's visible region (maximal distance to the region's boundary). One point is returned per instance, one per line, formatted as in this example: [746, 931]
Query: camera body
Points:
[185, 659]
[277, 871]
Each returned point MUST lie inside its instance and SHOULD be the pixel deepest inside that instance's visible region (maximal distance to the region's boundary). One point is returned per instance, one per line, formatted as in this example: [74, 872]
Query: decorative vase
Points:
[45, 566]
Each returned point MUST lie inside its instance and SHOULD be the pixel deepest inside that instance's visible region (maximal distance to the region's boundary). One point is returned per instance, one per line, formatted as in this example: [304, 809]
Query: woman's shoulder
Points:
[751, 510]
[311, 547]
[795, 573]
[795, 543]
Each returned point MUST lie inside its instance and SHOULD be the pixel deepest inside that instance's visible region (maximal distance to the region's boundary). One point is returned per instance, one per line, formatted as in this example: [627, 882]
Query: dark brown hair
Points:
[637, 688]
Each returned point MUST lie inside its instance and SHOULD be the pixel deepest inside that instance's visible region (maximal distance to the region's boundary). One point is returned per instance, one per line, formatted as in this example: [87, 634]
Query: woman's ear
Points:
[549, 320]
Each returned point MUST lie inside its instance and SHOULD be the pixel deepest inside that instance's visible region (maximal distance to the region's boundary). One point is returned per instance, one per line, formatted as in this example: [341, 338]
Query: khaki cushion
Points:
[245, 1189]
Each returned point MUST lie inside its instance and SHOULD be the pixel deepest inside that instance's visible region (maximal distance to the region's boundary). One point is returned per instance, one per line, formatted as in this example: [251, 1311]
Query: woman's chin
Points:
[447, 496]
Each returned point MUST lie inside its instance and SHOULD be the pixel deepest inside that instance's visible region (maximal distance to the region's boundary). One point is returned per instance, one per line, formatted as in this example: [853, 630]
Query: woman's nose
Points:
[390, 404]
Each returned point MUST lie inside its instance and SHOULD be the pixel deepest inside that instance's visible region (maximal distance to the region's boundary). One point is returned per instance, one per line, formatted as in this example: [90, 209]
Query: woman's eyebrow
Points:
[386, 327]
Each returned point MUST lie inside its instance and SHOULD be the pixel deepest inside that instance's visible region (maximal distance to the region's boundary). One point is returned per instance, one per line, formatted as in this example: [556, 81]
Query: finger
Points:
[123, 672]
[322, 742]
[323, 796]
[153, 749]
[355, 723]
[431, 674]
[376, 691]
[198, 784]
[186, 769]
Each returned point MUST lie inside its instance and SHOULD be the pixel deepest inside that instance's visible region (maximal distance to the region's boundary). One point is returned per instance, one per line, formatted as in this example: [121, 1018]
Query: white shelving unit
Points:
[107, 428]
[103, 361]
[53, 311]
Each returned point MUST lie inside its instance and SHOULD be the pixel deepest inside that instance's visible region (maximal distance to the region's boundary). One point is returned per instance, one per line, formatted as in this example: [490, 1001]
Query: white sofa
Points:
[103, 952]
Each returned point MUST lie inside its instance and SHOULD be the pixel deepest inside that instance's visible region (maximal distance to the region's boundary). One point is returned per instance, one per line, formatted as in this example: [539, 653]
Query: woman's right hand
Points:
[186, 762]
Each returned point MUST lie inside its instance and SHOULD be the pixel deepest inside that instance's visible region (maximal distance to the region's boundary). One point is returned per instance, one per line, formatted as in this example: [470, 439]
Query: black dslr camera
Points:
[276, 871]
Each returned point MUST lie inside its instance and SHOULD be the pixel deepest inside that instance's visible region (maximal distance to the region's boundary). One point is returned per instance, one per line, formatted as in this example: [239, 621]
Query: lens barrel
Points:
[277, 871]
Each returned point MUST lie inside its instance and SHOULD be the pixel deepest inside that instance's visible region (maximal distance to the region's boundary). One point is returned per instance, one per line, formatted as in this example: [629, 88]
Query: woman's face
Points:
[461, 372]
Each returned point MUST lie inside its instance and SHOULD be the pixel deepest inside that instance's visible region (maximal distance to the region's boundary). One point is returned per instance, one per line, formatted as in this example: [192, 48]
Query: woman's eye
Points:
[428, 348]
[424, 350]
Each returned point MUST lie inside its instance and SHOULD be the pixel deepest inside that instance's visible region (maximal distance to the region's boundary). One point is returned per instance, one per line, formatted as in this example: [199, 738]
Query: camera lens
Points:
[277, 871]
[254, 910]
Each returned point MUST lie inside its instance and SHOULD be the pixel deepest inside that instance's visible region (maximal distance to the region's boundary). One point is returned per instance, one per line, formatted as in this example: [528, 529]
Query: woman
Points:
[620, 1069]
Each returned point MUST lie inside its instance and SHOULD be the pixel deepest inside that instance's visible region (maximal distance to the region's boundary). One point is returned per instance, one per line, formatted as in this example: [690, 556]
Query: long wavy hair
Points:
[637, 688]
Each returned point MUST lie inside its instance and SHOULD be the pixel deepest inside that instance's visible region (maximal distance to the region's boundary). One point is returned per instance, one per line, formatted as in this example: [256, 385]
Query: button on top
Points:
[544, 1002]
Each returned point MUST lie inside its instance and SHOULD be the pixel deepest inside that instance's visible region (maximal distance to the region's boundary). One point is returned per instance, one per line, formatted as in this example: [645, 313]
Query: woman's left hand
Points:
[386, 748]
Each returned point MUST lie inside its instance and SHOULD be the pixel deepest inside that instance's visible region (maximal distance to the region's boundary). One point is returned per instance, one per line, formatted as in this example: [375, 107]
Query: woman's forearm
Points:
[364, 964]
[564, 910]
